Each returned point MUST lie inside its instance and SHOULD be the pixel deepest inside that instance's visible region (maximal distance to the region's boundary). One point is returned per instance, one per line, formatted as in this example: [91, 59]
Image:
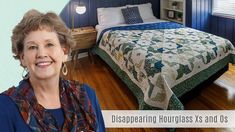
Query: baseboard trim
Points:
[80, 55]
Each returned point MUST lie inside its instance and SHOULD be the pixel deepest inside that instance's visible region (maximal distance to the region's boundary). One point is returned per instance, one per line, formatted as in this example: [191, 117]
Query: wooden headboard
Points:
[89, 18]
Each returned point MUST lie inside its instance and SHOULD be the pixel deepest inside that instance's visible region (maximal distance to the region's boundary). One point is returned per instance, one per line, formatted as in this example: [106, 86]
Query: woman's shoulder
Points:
[7, 106]
[13, 120]
[88, 89]
[83, 86]
[5, 100]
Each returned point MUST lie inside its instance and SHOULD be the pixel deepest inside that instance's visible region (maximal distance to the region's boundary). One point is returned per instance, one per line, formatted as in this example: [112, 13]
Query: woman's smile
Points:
[43, 64]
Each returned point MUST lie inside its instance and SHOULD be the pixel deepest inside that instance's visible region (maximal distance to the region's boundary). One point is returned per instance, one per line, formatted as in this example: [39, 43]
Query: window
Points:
[224, 8]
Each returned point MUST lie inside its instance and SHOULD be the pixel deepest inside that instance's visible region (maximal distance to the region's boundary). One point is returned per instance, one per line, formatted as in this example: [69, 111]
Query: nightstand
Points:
[85, 38]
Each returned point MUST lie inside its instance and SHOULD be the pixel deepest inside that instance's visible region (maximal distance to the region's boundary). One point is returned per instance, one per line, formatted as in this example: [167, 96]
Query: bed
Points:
[160, 61]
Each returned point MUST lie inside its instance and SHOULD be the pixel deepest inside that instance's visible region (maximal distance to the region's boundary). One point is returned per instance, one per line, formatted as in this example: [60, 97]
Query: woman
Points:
[43, 101]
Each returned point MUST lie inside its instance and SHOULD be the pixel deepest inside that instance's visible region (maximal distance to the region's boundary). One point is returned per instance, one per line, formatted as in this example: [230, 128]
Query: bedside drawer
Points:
[84, 41]
[85, 38]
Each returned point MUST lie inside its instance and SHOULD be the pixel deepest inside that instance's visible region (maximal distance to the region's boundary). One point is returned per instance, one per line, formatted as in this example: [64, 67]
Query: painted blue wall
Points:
[198, 14]
[223, 27]
[199, 17]
[89, 17]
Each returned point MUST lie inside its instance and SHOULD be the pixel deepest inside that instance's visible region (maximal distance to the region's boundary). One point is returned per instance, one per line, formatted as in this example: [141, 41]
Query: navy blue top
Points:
[12, 121]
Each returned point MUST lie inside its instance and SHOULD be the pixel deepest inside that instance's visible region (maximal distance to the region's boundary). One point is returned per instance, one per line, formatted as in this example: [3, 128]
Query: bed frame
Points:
[197, 90]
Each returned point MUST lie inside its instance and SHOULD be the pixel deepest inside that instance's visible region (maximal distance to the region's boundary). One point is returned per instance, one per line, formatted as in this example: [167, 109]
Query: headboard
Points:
[89, 18]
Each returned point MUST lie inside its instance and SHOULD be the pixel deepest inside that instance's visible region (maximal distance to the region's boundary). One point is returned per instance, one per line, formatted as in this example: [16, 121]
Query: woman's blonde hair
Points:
[34, 20]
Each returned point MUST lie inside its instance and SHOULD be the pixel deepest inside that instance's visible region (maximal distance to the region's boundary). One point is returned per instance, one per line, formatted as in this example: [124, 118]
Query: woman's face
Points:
[43, 54]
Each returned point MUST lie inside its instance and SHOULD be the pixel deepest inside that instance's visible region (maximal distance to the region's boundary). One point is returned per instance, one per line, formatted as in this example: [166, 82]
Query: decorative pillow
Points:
[132, 15]
[145, 10]
[110, 16]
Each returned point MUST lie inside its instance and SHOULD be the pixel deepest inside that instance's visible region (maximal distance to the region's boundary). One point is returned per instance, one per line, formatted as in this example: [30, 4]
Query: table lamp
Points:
[79, 8]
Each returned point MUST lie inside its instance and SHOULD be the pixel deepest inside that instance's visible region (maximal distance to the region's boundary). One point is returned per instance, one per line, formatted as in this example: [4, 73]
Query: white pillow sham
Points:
[110, 15]
[145, 10]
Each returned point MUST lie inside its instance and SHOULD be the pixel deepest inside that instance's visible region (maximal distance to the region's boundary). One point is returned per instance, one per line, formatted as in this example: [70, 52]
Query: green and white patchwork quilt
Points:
[164, 63]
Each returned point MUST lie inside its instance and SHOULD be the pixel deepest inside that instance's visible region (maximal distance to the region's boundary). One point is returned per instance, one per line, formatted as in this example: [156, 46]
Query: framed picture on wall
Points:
[171, 14]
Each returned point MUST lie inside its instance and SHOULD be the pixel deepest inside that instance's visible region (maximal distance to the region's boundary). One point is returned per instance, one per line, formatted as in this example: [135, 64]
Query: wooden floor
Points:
[113, 94]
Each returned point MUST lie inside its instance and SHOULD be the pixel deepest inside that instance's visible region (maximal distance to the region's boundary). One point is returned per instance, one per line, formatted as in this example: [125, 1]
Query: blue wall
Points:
[89, 17]
[223, 27]
[198, 14]
[199, 17]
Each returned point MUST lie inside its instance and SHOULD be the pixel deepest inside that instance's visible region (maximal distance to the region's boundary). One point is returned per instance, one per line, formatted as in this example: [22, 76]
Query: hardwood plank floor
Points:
[113, 94]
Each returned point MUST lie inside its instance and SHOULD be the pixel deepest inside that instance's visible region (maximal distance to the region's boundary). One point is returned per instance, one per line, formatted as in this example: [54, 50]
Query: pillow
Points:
[145, 10]
[110, 16]
[132, 15]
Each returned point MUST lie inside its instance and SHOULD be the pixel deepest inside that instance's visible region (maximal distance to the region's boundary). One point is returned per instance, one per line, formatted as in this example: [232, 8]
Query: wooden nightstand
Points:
[85, 38]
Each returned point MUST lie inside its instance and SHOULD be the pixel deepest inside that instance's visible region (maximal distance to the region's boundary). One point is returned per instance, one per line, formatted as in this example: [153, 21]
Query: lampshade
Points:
[81, 9]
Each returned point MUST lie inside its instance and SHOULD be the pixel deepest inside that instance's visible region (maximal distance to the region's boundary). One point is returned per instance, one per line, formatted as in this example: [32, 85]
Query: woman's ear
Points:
[65, 57]
[22, 62]
[66, 52]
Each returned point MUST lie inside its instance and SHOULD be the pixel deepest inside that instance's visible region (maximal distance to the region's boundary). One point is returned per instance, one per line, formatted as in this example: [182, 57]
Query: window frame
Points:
[231, 16]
